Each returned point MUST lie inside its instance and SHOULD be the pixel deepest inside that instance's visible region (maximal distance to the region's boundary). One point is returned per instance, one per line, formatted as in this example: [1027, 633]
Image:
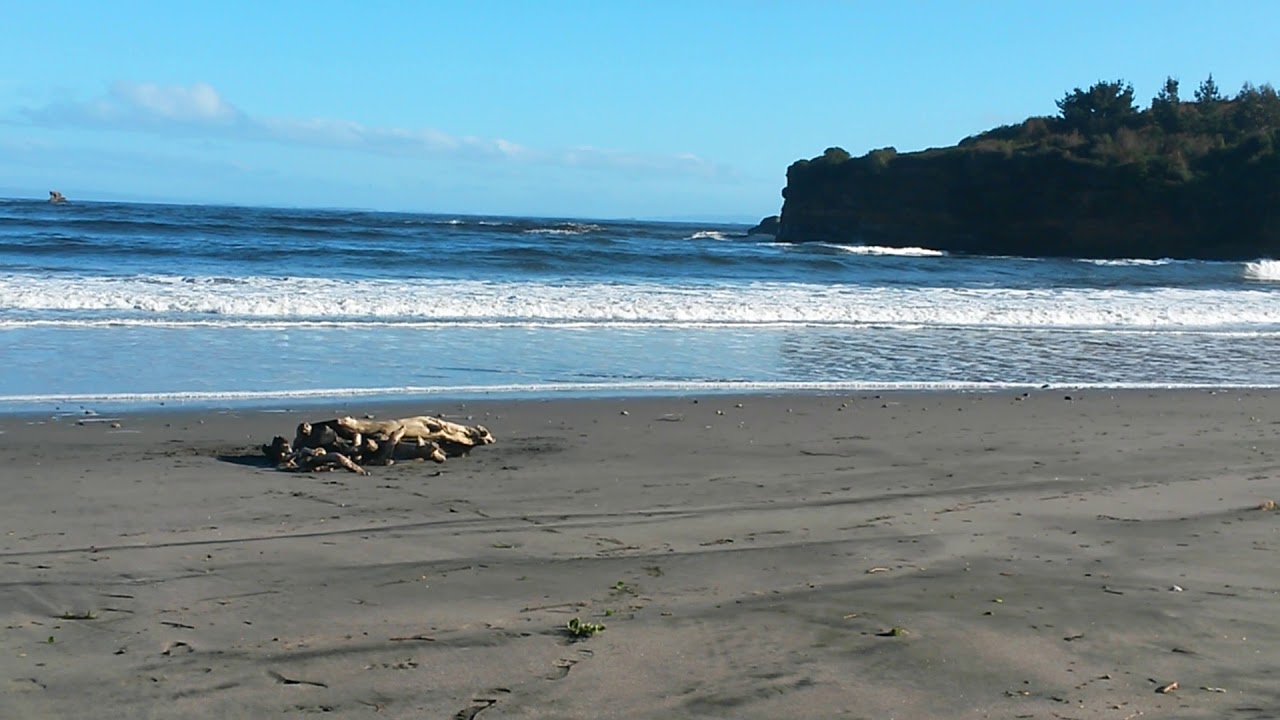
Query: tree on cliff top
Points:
[1165, 106]
[834, 155]
[1102, 108]
[1208, 91]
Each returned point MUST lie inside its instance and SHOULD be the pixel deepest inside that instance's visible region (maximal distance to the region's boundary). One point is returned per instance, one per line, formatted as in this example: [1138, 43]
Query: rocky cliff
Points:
[1195, 180]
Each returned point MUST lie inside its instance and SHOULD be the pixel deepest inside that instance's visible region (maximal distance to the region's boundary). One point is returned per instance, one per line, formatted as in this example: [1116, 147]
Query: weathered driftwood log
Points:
[348, 443]
[307, 459]
[422, 427]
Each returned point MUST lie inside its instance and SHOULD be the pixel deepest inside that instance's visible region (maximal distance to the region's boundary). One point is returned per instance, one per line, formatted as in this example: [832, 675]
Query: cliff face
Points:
[1034, 205]
[1131, 191]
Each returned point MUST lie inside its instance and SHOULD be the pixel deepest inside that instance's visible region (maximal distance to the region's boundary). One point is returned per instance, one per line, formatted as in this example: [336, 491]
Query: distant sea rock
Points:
[766, 226]
[1195, 180]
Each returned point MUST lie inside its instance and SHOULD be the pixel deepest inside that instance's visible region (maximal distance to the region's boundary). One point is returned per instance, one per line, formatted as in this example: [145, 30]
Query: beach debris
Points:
[1268, 505]
[92, 419]
[580, 628]
[1175, 588]
[877, 569]
[420, 637]
[71, 615]
[349, 443]
[293, 681]
[894, 631]
[1167, 688]
[1212, 689]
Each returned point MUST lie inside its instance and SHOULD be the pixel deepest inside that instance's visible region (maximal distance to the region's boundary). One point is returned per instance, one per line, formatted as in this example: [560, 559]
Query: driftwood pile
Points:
[349, 443]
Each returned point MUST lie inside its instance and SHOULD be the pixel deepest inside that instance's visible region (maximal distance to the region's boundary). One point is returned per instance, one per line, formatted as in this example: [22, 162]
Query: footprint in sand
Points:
[480, 705]
[562, 669]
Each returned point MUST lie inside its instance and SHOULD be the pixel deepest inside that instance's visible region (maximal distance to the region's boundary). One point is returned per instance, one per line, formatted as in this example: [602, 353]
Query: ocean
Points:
[116, 305]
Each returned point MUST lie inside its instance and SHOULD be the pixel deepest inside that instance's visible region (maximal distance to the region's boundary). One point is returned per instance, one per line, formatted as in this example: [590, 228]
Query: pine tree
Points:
[1208, 92]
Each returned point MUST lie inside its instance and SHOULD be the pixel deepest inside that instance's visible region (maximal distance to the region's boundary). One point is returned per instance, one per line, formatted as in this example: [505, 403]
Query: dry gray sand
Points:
[750, 556]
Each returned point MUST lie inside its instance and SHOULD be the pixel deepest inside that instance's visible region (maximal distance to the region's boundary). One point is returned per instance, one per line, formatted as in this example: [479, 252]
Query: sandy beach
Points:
[1062, 554]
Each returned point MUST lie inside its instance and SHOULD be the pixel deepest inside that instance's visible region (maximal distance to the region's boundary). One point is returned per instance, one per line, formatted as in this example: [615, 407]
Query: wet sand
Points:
[750, 557]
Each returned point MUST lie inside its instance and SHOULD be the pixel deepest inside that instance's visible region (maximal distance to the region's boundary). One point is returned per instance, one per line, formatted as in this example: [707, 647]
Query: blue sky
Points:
[655, 109]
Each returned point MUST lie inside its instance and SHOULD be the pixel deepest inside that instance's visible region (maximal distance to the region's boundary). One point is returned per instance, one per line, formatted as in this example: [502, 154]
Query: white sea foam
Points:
[882, 250]
[708, 235]
[1268, 270]
[589, 388]
[1126, 262]
[565, 229]
[28, 299]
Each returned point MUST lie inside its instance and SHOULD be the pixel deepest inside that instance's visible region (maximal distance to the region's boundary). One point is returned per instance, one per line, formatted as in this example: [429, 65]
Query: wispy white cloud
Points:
[199, 110]
[144, 106]
[196, 103]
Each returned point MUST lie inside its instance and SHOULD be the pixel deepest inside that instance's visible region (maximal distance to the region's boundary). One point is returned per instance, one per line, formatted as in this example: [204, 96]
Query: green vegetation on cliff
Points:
[1182, 178]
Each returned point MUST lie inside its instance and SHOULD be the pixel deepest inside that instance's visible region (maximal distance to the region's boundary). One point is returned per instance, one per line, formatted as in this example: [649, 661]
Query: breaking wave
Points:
[565, 229]
[882, 250]
[1268, 270]
[1126, 262]
[27, 299]
[709, 235]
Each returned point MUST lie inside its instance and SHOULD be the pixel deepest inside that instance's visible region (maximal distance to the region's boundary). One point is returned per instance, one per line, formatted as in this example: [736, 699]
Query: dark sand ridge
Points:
[745, 563]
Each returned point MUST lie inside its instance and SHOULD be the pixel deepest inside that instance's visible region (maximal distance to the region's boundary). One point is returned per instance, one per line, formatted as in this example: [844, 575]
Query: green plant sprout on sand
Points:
[86, 615]
[579, 628]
